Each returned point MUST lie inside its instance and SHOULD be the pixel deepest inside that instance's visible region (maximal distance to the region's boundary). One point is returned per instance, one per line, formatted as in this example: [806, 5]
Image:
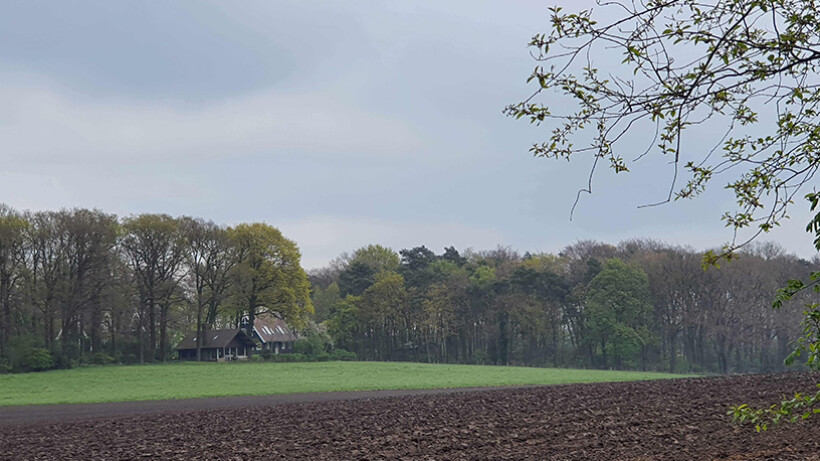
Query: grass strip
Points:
[193, 380]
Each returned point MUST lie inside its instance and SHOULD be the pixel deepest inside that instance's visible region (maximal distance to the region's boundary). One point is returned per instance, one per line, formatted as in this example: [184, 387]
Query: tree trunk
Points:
[199, 334]
[5, 319]
[673, 352]
[141, 334]
[503, 339]
[251, 318]
[163, 331]
[152, 329]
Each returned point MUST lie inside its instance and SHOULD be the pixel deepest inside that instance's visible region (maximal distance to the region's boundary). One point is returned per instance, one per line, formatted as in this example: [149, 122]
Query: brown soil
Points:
[16, 415]
[660, 420]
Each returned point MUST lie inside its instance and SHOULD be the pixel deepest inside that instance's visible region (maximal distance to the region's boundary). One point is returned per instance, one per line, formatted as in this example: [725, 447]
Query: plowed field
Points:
[669, 419]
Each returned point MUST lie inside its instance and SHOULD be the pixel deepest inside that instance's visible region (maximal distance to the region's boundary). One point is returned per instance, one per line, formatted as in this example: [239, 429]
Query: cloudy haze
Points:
[341, 123]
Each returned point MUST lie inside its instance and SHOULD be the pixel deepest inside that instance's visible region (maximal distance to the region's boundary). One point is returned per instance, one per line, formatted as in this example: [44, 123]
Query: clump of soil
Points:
[681, 419]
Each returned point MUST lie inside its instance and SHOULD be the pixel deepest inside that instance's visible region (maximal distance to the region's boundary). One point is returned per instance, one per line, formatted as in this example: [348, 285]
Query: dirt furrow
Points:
[659, 420]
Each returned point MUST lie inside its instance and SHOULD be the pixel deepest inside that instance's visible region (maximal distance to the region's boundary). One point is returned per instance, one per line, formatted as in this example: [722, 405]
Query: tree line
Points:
[640, 304]
[85, 286]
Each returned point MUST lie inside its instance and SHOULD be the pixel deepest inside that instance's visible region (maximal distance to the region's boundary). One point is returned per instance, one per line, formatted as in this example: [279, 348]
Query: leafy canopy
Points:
[268, 276]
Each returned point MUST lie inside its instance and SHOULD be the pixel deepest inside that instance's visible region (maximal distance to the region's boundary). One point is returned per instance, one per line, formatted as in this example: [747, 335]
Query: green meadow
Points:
[192, 380]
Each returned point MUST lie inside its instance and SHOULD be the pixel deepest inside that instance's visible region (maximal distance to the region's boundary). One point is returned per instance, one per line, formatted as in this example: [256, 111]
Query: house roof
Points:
[215, 338]
[270, 329]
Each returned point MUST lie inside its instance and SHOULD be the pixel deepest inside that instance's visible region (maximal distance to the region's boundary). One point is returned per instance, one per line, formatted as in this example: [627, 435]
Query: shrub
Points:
[101, 358]
[25, 353]
[295, 357]
[321, 357]
[66, 355]
[38, 359]
[315, 341]
[341, 354]
[313, 345]
[61, 360]
[338, 354]
[302, 346]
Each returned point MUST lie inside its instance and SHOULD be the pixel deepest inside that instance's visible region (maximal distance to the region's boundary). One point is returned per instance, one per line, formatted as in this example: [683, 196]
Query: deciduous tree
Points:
[155, 247]
[268, 277]
[618, 310]
[210, 257]
[12, 260]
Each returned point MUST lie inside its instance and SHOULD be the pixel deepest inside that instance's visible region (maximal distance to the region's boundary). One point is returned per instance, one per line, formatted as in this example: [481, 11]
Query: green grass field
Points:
[190, 380]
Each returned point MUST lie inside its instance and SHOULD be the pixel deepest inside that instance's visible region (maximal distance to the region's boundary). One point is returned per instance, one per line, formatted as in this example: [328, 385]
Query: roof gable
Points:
[272, 329]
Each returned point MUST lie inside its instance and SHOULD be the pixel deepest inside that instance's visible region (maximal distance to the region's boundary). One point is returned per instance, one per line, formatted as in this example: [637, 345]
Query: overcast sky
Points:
[341, 123]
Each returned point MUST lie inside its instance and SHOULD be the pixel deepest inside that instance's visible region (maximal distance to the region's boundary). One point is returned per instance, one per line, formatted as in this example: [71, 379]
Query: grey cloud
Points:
[41, 125]
[344, 122]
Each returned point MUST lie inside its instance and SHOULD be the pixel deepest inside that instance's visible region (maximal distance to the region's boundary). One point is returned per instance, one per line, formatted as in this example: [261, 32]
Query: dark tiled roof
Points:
[214, 338]
[272, 330]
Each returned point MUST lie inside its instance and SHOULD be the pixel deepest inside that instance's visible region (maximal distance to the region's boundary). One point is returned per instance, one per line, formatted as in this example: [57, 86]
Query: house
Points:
[217, 345]
[272, 334]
